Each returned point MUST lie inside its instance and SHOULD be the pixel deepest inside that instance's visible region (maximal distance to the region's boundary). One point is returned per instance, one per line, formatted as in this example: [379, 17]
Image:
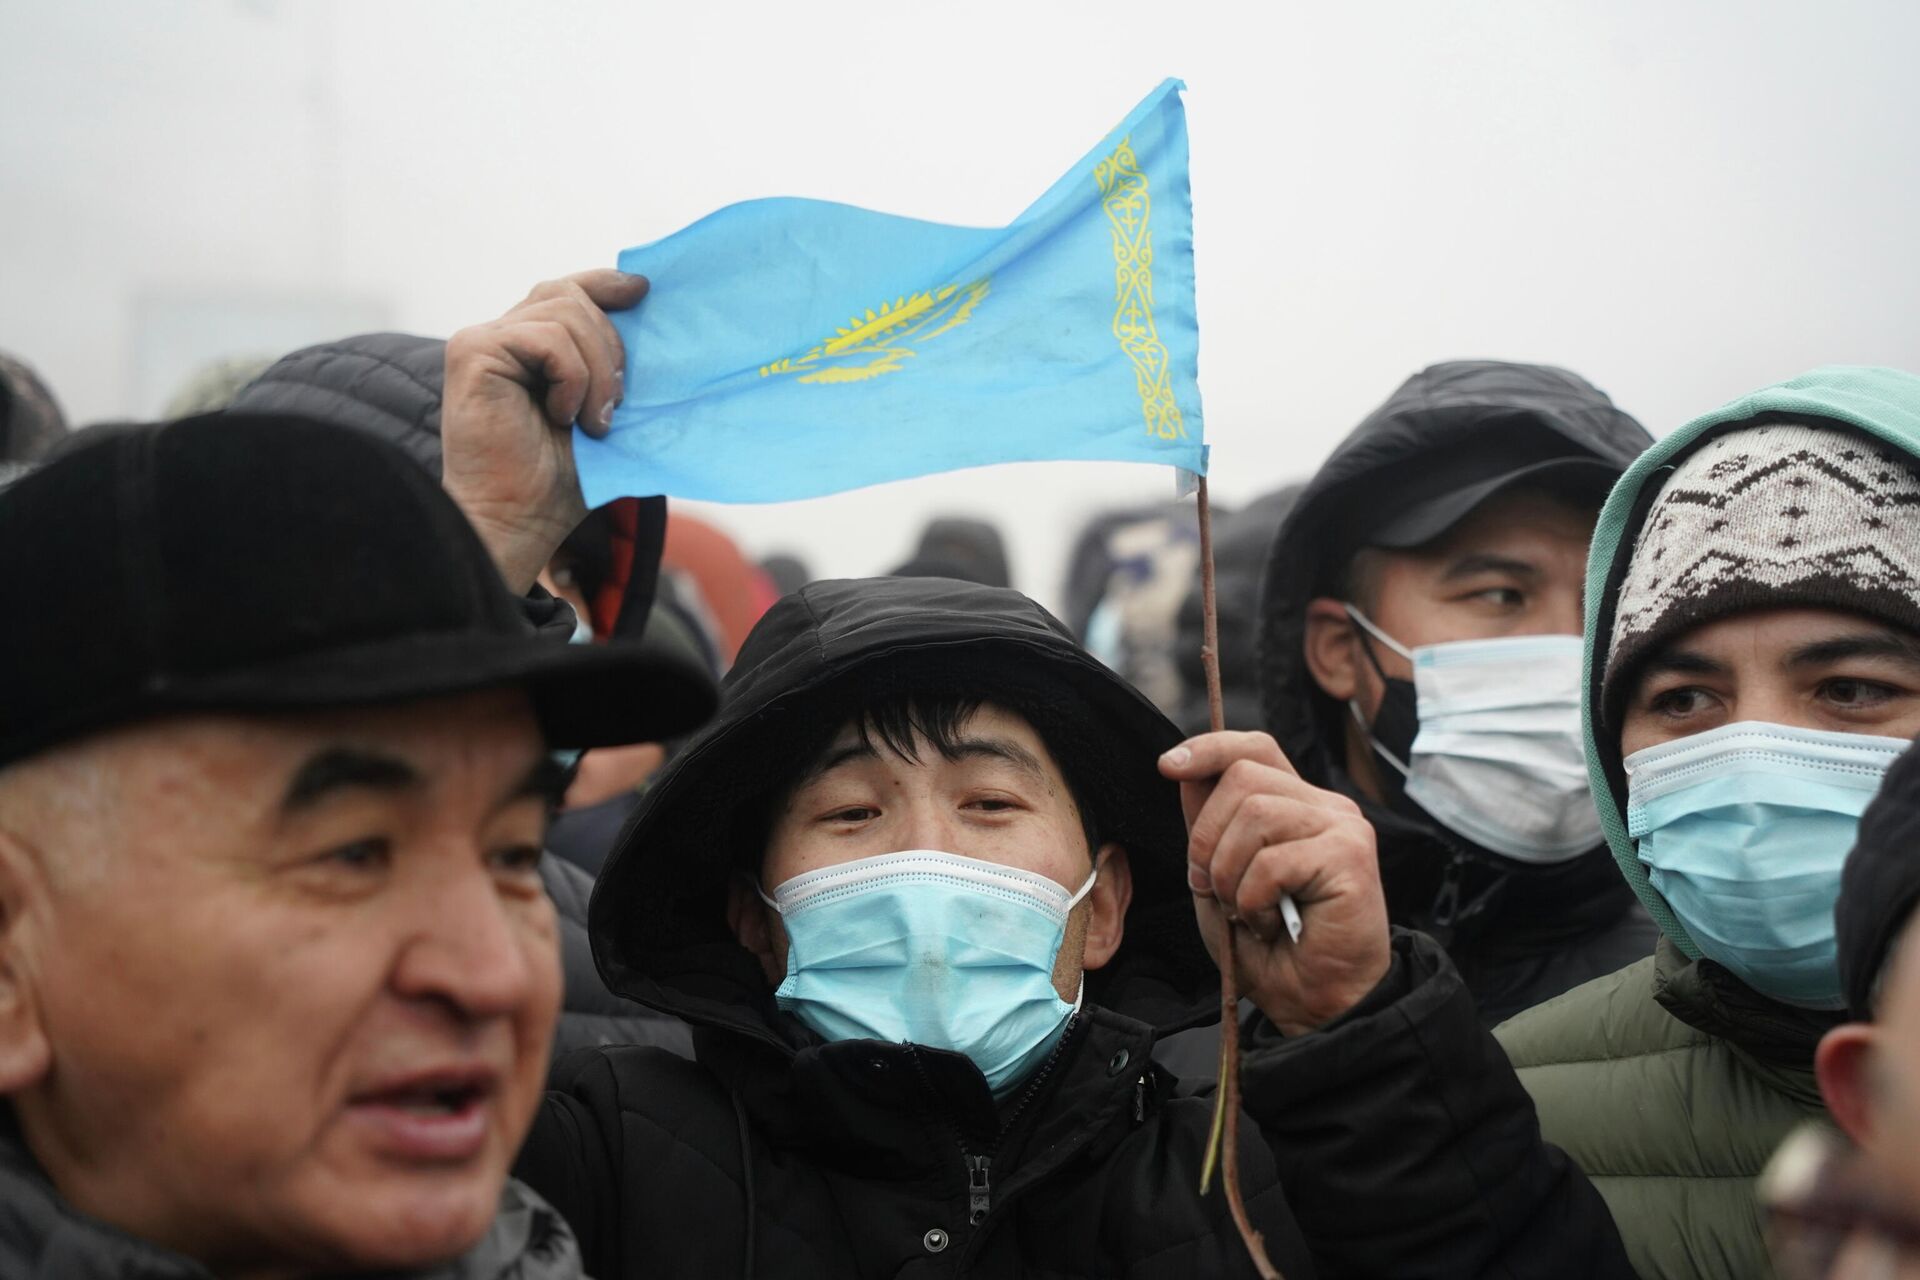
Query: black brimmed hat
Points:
[257, 563]
[1457, 485]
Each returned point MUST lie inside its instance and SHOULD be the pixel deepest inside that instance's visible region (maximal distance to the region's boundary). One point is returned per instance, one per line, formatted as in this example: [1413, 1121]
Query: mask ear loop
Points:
[1353, 705]
[1079, 896]
[1366, 624]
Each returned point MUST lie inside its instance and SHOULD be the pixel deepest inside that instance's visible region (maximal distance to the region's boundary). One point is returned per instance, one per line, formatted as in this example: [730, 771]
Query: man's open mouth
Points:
[447, 1101]
[434, 1116]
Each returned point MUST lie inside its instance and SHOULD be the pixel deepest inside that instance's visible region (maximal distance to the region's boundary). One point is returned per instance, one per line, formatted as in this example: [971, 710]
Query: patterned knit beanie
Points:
[1766, 516]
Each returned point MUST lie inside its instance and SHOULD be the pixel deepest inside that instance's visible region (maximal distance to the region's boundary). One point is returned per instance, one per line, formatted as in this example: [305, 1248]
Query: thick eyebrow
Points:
[1678, 662]
[833, 758]
[1867, 644]
[1476, 563]
[336, 769]
[963, 749]
[1001, 749]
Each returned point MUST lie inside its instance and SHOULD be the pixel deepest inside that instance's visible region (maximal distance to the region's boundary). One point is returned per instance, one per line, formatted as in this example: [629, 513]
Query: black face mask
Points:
[1396, 723]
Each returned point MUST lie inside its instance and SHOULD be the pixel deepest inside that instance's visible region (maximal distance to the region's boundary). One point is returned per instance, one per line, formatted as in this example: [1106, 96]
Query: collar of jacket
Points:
[1776, 1040]
[900, 1112]
[44, 1238]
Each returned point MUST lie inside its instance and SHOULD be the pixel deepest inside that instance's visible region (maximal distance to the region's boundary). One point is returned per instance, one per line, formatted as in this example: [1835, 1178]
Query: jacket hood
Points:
[1882, 403]
[658, 917]
[1529, 413]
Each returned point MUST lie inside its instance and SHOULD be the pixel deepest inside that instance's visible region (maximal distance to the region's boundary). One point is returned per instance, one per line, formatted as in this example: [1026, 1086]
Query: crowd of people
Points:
[406, 871]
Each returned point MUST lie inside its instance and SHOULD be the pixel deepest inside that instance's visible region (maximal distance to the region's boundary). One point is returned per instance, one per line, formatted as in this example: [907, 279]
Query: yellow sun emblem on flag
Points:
[869, 346]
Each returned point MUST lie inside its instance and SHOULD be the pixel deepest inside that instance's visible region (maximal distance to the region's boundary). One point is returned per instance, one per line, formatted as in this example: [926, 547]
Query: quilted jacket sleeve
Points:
[1407, 1147]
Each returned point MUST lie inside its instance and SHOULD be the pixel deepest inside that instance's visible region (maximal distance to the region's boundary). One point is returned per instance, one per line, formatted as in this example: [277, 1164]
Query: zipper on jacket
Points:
[1446, 903]
[979, 1187]
[1447, 911]
[980, 1167]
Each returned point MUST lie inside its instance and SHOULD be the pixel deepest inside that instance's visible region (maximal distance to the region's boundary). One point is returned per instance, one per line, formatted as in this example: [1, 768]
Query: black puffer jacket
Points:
[389, 384]
[1519, 934]
[1394, 1142]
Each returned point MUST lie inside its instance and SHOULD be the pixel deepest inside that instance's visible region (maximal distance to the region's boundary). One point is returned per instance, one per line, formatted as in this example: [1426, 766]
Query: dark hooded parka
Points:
[1519, 934]
[1394, 1142]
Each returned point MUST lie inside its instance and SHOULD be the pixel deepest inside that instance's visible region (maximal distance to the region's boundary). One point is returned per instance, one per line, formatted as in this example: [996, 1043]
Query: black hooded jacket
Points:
[1518, 934]
[1392, 1142]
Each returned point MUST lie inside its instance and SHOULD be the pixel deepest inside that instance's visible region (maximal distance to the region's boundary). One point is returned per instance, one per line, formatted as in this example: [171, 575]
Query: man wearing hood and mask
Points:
[1752, 670]
[927, 894]
[1420, 654]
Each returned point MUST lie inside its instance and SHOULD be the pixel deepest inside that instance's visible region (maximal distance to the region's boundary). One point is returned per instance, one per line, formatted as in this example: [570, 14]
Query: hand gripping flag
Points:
[791, 348]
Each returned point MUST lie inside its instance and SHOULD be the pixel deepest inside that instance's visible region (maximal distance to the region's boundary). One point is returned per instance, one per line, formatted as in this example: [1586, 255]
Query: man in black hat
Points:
[277, 976]
[1420, 653]
[929, 889]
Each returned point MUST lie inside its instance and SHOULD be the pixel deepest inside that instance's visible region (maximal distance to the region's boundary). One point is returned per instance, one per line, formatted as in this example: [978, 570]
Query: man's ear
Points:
[1111, 895]
[25, 1053]
[1843, 1065]
[1332, 649]
[753, 928]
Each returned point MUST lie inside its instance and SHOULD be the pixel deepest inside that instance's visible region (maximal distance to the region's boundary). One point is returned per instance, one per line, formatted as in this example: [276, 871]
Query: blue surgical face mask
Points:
[930, 948]
[1743, 830]
[1498, 756]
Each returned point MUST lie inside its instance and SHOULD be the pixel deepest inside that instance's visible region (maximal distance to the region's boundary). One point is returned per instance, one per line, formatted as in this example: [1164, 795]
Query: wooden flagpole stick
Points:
[1223, 1145]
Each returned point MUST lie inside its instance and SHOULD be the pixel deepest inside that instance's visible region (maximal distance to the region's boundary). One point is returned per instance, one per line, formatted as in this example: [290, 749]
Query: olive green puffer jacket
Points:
[1670, 1084]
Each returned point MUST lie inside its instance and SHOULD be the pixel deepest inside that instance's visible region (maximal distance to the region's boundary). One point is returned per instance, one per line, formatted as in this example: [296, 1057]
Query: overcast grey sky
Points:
[1680, 200]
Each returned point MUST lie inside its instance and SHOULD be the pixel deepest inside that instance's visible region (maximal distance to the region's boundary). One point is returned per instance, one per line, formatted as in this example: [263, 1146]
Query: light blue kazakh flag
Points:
[791, 348]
